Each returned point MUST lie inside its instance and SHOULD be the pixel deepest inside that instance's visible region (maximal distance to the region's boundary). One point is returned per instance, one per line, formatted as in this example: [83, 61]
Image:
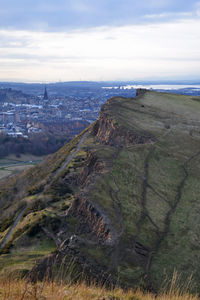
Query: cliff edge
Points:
[120, 200]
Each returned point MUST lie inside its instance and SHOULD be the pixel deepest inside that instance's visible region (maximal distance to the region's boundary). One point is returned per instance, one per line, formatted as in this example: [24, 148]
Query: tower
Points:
[45, 94]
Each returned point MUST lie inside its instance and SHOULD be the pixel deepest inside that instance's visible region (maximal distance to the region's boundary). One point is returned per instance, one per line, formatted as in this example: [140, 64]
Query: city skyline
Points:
[99, 40]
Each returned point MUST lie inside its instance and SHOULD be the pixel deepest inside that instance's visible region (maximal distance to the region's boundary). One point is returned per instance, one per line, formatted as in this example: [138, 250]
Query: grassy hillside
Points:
[127, 190]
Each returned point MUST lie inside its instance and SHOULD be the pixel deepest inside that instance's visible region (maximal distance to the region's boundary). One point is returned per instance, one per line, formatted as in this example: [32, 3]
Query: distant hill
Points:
[120, 201]
[14, 96]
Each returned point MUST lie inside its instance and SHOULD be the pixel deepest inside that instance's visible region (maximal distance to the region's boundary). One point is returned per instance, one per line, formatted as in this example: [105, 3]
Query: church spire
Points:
[45, 94]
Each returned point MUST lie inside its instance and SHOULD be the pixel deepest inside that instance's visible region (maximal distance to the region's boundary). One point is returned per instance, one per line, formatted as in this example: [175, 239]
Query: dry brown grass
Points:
[20, 289]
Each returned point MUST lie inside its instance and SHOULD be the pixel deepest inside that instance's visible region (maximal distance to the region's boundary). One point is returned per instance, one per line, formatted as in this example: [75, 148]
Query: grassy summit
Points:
[122, 199]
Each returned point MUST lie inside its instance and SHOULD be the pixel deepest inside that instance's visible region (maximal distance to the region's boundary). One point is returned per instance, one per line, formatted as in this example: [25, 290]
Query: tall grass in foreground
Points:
[63, 287]
[20, 289]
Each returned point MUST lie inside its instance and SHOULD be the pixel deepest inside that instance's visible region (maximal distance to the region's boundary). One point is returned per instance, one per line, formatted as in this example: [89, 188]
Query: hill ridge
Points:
[116, 199]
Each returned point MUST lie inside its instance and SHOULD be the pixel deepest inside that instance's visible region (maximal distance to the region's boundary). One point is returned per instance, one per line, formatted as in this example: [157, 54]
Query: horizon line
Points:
[180, 81]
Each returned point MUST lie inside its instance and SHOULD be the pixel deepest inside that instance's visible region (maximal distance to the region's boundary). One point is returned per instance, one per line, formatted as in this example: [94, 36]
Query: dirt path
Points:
[66, 163]
[7, 236]
[176, 202]
[139, 248]
[144, 212]
[170, 212]
[117, 202]
[71, 156]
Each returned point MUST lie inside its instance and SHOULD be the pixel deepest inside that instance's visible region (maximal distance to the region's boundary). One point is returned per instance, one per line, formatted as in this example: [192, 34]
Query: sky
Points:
[64, 40]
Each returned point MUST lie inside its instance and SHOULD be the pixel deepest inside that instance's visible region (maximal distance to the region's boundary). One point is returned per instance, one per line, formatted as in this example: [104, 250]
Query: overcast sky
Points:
[48, 40]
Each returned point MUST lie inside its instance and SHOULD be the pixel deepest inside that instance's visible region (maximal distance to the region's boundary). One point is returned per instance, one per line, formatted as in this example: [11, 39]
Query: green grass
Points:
[12, 165]
[173, 146]
[25, 253]
[167, 206]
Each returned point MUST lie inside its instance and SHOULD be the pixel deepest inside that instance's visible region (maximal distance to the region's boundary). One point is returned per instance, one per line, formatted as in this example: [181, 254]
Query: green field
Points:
[12, 165]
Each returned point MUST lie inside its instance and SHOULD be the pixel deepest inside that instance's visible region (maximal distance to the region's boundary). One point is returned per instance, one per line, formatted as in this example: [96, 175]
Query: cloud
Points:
[67, 14]
[197, 7]
[169, 15]
[80, 6]
[110, 53]
[158, 3]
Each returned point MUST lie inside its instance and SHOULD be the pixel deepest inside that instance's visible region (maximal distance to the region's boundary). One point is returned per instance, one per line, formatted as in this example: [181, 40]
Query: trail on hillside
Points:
[144, 212]
[66, 163]
[8, 234]
[172, 209]
[117, 201]
[138, 247]
[70, 157]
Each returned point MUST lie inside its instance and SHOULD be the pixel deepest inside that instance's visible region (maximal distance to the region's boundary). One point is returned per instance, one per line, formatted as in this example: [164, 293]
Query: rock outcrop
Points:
[120, 202]
[109, 132]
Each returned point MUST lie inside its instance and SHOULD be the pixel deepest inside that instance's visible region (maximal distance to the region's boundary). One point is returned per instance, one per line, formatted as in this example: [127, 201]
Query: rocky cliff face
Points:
[114, 199]
[91, 220]
[109, 132]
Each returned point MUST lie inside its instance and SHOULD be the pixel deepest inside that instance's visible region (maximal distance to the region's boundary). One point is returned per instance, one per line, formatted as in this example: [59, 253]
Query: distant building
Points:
[1, 118]
[9, 117]
[17, 117]
[45, 94]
